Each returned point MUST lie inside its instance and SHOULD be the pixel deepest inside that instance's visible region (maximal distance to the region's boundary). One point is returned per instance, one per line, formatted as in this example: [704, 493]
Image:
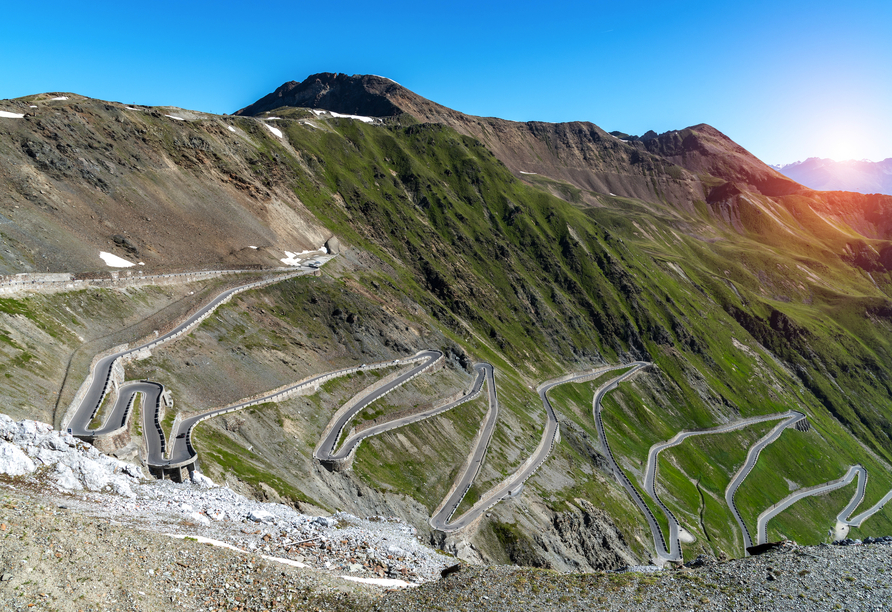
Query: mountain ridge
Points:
[862, 176]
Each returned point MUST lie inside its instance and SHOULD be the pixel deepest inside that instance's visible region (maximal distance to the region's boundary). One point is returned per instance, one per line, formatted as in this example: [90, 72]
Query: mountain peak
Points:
[359, 94]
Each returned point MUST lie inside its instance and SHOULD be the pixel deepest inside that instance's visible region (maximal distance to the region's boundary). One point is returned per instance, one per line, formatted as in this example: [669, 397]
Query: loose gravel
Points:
[790, 578]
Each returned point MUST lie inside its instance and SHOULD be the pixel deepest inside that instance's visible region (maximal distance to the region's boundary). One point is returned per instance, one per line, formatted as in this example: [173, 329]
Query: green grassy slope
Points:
[747, 307]
[739, 324]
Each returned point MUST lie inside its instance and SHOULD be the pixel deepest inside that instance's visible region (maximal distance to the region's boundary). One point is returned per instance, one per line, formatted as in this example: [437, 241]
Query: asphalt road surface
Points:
[650, 471]
[663, 552]
[353, 441]
[101, 383]
[326, 450]
[751, 458]
[853, 471]
[440, 520]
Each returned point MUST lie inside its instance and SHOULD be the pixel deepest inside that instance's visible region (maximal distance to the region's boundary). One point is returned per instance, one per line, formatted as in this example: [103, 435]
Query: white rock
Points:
[44, 455]
[65, 478]
[217, 515]
[261, 516]
[89, 472]
[13, 461]
[123, 489]
[198, 517]
[201, 479]
[324, 521]
[186, 507]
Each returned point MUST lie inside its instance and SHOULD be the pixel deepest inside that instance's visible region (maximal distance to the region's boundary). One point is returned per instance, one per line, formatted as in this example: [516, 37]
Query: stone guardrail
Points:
[452, 401]
[35, 282]
[128, 354]
[439, 360]
[284, 393]
[85, 386]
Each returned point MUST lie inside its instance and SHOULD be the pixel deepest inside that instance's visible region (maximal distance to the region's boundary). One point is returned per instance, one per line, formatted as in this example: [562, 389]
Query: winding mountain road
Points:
[842, 518]
[663, 552]
[326, 450]
[510, 486]
[181, 451]
[100, 379]
[650, 472]
[745, 469]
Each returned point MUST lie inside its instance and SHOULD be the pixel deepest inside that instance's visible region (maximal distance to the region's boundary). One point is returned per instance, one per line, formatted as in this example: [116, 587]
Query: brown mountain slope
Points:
[679, 168]
[579, 153]
[180, 189]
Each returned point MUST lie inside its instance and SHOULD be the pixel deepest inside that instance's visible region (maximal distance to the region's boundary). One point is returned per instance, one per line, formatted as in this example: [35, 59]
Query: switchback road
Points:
[101, 381]
[842, 519]
[751, 458]
[650, 472]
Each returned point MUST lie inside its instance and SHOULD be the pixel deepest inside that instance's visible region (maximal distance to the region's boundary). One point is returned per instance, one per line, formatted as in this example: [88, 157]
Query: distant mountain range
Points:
[828, 175]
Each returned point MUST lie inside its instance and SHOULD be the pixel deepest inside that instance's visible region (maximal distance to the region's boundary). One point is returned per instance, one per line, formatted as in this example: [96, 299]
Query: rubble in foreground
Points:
[62, 476]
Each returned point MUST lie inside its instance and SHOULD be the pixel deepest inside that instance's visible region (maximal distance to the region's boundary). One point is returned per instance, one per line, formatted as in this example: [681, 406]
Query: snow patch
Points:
[113, 261]
[285, 561]
[275, 131]
[384, 582]
[175, 117]
[59, 98]
[231, 129]
[131, 108]
[522, 172]
[385, 78]
[32, 106]
[252, 247]
[291, 259]
[340, 116]
[8, 115]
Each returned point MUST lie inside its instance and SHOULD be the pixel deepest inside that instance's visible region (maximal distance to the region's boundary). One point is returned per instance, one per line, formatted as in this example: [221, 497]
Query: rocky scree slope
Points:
[56, 469]
[173, 189]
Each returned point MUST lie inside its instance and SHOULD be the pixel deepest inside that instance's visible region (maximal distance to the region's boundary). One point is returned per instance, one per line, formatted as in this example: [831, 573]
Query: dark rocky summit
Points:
[351, 95]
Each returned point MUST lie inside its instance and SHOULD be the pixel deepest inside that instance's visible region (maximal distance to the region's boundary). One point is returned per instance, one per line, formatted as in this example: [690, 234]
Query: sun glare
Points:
[843, 140]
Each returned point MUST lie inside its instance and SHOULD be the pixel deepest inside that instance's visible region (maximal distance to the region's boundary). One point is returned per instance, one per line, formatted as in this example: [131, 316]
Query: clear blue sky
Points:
[787, 80]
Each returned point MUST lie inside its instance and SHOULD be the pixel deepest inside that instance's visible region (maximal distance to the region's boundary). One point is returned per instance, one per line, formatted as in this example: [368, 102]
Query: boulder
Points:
[261, 516]
[333, 245]
[64, 477]
[324, 521]
[13, 461]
